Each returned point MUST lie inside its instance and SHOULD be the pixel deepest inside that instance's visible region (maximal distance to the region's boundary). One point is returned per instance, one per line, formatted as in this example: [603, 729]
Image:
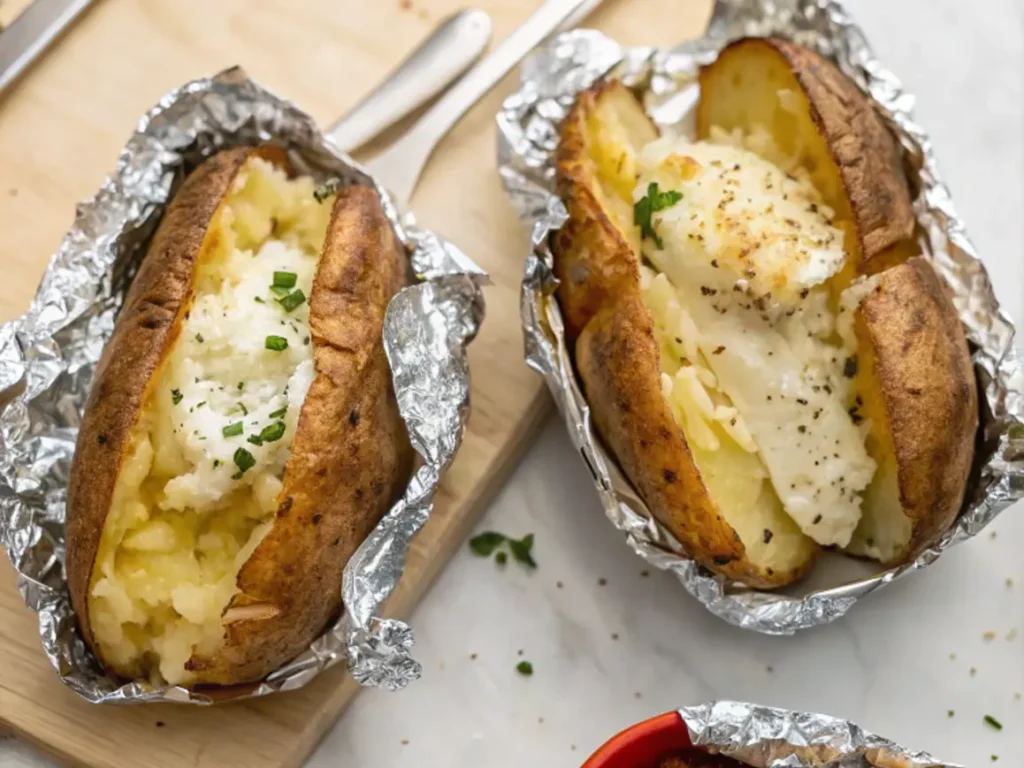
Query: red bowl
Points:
[643, 744]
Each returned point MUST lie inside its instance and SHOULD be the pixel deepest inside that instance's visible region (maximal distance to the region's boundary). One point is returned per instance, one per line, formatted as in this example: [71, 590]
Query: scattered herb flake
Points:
[279, 290]
[650, 204]
[199, 338]
[485, 543]
[176, 396]
[254, 439]
[241, 386]
[276, 343]
[501, 558]
[232, 430]
[324, 191]
[950, 713]
[521, 550]
[217, 463]
[244, 461]
[292, 300]
[279, 413]
[272, 433]
[200, 404]
[524, 668]
[993, 723]
[258, 300]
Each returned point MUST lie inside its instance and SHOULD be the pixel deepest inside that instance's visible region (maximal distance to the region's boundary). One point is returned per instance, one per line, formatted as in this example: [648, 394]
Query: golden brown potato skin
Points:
[350, 455]
[618, 361]
[594, 261]
[146, 329]
[861, 147]
[922, 370]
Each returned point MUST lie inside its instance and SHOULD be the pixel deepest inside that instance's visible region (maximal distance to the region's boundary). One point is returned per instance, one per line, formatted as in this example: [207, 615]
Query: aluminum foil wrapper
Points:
[764, 737]
[666, 78]
[47, 359]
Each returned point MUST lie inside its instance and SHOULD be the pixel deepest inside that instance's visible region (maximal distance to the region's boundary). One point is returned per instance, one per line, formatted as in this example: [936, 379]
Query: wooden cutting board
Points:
[61, 129]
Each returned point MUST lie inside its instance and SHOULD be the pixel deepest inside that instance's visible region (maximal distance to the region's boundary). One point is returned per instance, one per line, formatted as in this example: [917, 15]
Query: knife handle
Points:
[439, 60]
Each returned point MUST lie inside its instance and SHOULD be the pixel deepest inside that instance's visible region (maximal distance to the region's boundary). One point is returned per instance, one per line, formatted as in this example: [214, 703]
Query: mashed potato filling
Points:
[199, 486]
[747, 250]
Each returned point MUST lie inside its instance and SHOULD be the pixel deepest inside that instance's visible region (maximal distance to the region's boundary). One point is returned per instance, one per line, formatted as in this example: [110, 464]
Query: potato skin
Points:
[923, 372]
[350, 454]
[864, 151]
[594, 262]
[149, 324]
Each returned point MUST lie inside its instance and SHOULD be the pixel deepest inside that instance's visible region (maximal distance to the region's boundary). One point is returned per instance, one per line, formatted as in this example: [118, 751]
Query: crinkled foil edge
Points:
[528, 129]
[47, 359]
[765, 737]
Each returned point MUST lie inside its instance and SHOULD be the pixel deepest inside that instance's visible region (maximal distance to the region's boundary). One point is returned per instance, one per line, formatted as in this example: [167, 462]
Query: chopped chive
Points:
[279, 413]
[232, 430]
[245, 411]
[241, 385]
[274, 432]
[259, 299]
[199, 338]
[285, 279]
[276, 343]
[217, 463]
[991, 721]
[243, 460]
[176, 396]
[524, 668]
[292, 300]
[200, 404]
[279, 290]
[237, 476]
[254, 439]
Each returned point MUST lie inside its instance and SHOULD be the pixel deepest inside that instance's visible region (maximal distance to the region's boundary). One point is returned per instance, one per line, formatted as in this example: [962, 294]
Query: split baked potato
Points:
[241, 437]
[763, 350]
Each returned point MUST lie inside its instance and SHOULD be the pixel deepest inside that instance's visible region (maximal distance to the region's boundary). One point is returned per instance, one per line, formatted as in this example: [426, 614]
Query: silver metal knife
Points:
[32, 32]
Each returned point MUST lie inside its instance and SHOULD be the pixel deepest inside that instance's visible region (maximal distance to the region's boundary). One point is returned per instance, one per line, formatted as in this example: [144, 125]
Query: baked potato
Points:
[760, 345]
[240, 440]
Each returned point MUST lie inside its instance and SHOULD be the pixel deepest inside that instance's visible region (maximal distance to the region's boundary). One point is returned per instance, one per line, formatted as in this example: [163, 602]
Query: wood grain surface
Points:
[61, 128]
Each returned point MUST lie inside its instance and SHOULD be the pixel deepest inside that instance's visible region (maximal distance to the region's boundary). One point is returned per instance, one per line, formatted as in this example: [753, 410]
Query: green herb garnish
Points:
[279, 290]
[650, 204]
[292, 300]
[521, 550]
[524, 668]
[485, 543]
[285, 279]
[243, 409]
[199, 338]
[200, 404]
[279, 413]
[243, 460]
[241, 386]
[258, 299]
[254, 439]
[324, 191]
[232, 430]
[991, 721]
[501, 558]
[217, 463]
[274, 432]
[176, 396]
[276, 343]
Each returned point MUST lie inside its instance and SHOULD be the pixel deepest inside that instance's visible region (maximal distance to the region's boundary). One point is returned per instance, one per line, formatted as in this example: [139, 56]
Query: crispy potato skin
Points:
[147, 328]
[923, 372]
[350, 455]
[594, 262]
[618, 361]
[865, 153]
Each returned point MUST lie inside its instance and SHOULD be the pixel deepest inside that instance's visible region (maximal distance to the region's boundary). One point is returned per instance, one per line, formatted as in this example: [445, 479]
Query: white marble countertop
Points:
[612, 642]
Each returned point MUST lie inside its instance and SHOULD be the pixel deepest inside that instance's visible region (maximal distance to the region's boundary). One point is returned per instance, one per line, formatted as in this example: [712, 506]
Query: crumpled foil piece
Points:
[47, 359]
[528, 135]
[764, 737]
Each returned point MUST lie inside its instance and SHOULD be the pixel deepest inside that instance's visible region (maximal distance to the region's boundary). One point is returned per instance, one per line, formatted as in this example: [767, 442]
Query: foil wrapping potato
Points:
[765, 737]
[47, 358]
[528, 125]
